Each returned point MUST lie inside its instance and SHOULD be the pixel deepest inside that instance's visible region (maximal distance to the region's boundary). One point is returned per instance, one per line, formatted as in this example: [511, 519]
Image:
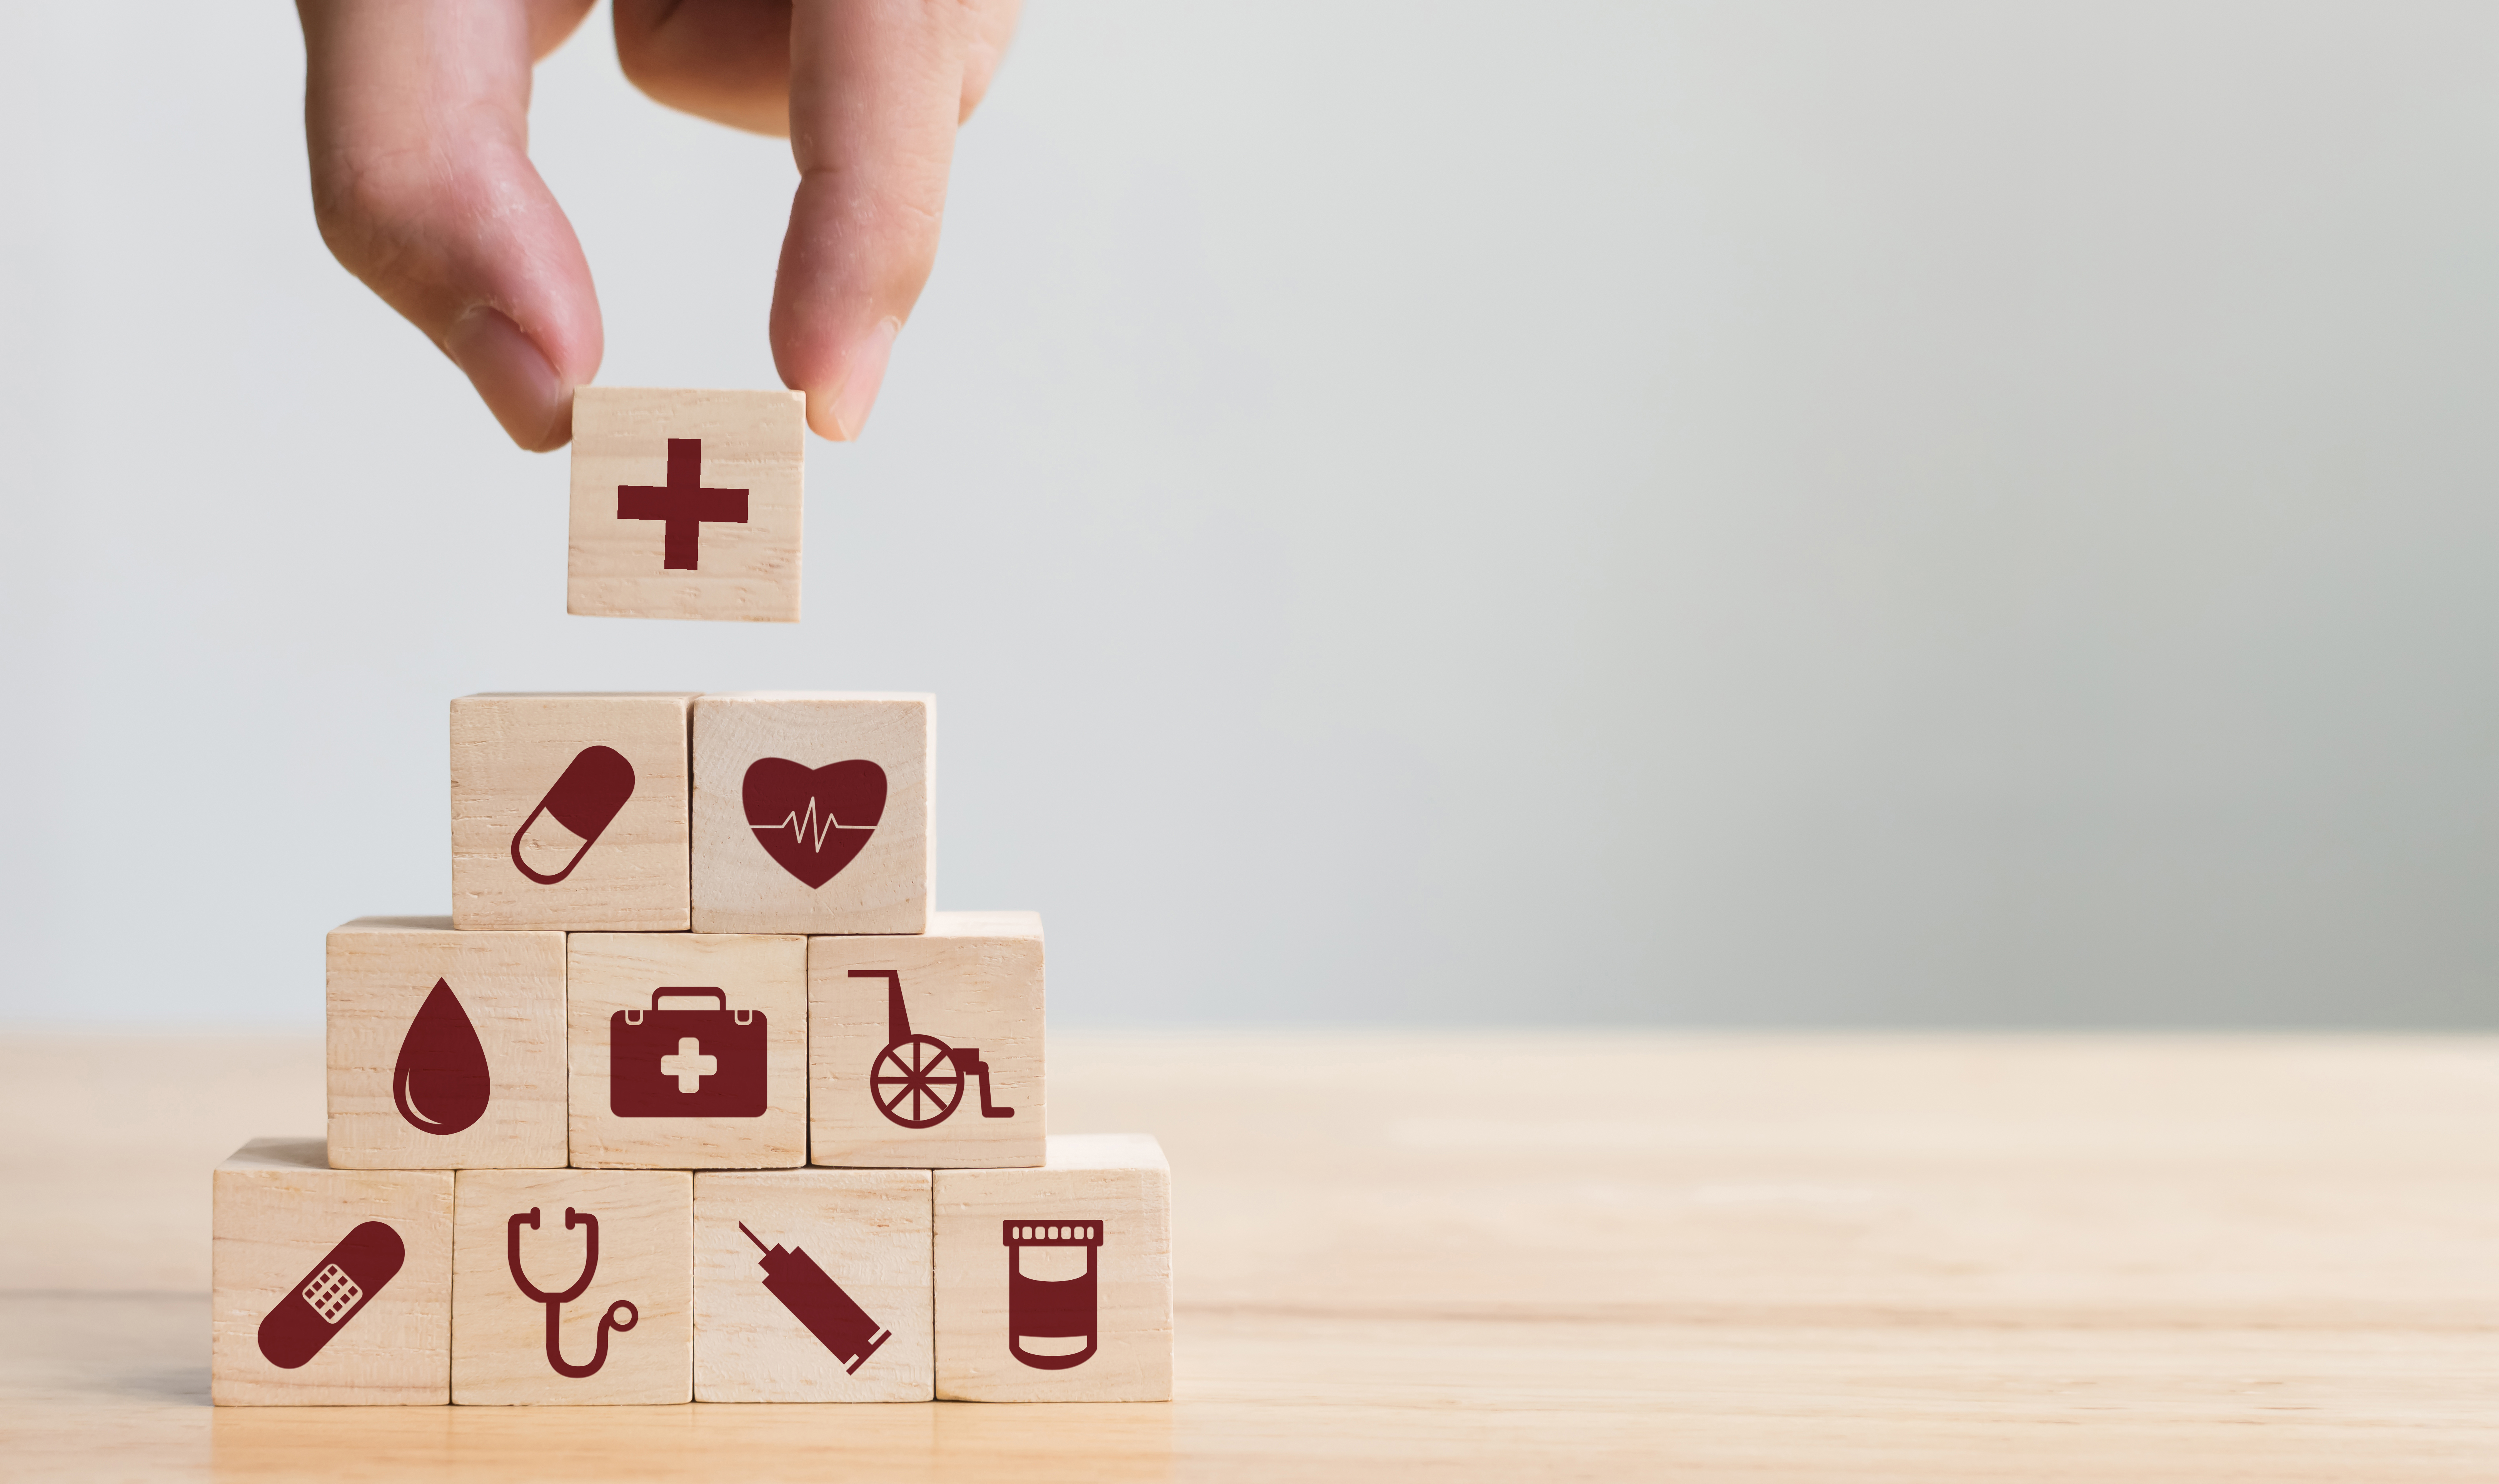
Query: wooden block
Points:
[615, 1244]
[953, 1078]
[812, 1285]
[570, 812]
[1054, 1284]
[686, 504]
[689, 1050]
[328, 1286]
[446, 1049]
[812, 812]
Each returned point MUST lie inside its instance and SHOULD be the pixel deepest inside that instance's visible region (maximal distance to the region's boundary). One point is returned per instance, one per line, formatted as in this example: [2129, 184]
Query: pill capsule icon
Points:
[584, 801]
[336, 1289]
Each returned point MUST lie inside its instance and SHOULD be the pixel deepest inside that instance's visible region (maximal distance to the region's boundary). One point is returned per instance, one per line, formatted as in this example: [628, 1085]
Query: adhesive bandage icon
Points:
[336, 1289]
[1052, 1308]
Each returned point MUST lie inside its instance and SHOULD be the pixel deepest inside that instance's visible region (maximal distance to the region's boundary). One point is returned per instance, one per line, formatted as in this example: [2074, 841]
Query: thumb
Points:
[417, 118]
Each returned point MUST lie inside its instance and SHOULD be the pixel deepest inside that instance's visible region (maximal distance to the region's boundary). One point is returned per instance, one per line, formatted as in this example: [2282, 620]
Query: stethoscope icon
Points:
[554, 1301]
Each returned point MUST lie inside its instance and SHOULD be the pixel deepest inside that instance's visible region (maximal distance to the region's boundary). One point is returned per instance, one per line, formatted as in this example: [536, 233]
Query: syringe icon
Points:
[829, 1314]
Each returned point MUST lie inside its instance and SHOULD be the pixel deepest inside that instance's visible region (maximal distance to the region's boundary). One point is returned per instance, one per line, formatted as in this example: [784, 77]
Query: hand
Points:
[418, 118]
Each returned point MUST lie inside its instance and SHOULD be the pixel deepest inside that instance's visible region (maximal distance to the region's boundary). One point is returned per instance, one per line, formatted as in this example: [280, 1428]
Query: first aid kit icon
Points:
[669, 1062]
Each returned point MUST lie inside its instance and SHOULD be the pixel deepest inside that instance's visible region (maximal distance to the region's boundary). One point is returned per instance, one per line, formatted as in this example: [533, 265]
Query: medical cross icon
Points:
[682, 504]
[672, 1062]
[690, 1066]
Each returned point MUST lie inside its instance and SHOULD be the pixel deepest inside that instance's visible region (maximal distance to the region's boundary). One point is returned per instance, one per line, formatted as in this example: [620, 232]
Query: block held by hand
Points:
[687, 504]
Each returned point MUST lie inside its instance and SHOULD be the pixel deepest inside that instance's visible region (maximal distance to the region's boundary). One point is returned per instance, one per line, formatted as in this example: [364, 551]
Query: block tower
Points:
[691, 1097]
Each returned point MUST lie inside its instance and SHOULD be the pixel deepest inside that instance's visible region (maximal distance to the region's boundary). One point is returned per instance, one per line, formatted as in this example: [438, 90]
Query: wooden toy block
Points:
[572, 1287]
[686, 504]
[1054, 1284]
[812, 813]
[328, 1287]
[445, 1048]
[812, 1285]
[925, 1052]
[689, 1050]
[570, 812]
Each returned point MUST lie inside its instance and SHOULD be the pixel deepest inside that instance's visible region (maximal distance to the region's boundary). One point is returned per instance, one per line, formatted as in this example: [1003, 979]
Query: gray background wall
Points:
[1718, 513]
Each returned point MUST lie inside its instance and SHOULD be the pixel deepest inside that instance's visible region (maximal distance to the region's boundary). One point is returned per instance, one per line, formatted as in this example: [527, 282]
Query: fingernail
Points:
[515, 381]
[842, 415]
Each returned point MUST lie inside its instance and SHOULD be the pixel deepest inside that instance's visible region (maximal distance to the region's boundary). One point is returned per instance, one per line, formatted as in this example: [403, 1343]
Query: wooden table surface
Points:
[1509, 1256]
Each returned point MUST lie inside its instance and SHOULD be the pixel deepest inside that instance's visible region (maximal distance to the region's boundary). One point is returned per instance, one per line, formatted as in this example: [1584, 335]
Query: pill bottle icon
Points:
[581, 805]
[1046, 1302]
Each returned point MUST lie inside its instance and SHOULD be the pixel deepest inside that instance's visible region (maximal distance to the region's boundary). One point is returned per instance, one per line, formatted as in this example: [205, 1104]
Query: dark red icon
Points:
[336, 1290]
[814, 821]
[829, 1314]
[442, 1082]
[686, 1063]
[1053, 1308]
[554, 1301]
[683, 504]
[917, 1081]
[594, 785]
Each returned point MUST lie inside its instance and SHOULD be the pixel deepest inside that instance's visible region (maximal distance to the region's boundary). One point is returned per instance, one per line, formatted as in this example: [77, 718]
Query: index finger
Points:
[876, 90]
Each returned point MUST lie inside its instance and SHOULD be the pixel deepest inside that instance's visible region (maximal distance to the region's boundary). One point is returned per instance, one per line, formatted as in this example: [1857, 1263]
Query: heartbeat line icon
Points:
[809, 828]
[830, 813]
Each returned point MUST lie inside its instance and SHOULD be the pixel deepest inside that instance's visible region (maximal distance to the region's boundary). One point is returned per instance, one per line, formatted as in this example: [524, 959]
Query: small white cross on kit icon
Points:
[690, 1066]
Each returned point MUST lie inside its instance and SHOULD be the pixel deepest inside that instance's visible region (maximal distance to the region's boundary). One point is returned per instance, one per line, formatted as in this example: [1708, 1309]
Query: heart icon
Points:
[814, 821]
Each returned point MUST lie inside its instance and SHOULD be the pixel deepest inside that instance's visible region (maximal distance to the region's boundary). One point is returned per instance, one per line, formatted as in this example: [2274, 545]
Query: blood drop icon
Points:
[442, 1082]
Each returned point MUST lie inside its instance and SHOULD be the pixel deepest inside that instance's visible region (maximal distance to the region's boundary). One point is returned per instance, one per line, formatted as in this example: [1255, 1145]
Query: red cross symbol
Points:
[683, 504]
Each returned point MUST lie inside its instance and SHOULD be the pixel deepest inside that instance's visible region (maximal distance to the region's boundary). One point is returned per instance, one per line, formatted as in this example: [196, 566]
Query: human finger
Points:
[725, 61]
[876, 91]
[417, 121]
[728, 60]
[993, 24]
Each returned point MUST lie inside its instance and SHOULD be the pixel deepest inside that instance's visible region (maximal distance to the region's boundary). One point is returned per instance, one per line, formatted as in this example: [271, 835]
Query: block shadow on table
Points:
[885, 1442]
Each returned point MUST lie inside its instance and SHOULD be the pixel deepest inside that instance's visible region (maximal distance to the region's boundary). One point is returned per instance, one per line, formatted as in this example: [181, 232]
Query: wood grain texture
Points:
[972, 981]
[498, 1340]
[1120, 1182]
[610, 973]
[508, 754]
[281, 1211]
[511, 985]
[865, 1230]
[756, 441]
[886, 888]
[1506, 1255]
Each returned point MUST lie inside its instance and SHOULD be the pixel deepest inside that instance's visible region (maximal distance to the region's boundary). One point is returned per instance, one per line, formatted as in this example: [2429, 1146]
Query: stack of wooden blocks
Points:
[692, 1097]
